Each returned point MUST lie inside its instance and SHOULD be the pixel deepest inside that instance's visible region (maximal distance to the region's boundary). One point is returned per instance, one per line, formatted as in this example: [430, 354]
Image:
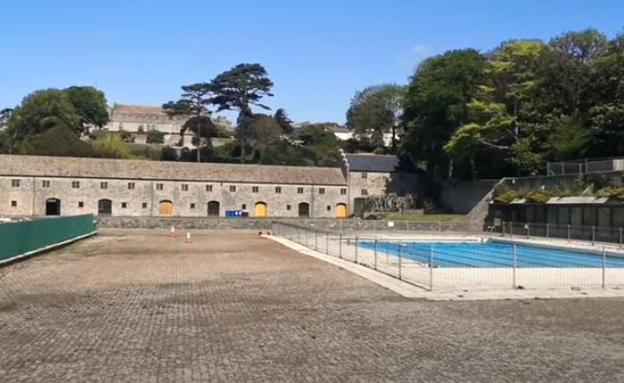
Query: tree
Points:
[42, 110]
[264, 131]
[5, 117]
[503, 116]
[284, 121]
[436, 106]
[321, 147]
[90, 104]
[59, 140]
[195, 104]
[238, 89]
[375, 111]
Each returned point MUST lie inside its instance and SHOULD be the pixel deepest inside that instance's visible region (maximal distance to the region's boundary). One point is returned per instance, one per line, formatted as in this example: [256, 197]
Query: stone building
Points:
[37, 186]
[377, 175]
[140, 119]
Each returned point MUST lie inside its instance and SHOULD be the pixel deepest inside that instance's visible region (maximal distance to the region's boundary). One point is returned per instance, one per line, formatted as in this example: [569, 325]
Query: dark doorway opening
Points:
[304, 209]
[214, 209]
[105, 207]
[53, 206]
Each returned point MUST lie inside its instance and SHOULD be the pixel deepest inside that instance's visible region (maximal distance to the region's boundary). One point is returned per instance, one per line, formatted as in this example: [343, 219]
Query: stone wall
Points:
[331, 225]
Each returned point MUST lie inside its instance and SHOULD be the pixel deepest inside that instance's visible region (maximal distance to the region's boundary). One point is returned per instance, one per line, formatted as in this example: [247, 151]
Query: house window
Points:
[159, 186]
[232, 188]
[288, 207]
[13, 203]
[243, 206]
[75, 184]
[343, 191]
[15, 183]
[80, 204]
[103, 185]
[208, 188]
[124, 205]
[130, 185]
[299, 190]
[364, 192]
[328, 207]
[321, 190]
[254, 189]
[45, 184]
[144, 205]
[364, 175]
[192, 206]
[278, 190]
[184, 187]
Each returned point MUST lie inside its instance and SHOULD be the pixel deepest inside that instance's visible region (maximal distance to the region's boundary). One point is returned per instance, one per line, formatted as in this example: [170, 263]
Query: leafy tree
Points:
[58, 140]
[264, 131]
[195, 104]
[436, 106]
[207, 130]
[284, 121]
[503, 115]
[321, 146]
[239, 89]
[375, 111]
[155, 137]
[90, 104]
[42, 110]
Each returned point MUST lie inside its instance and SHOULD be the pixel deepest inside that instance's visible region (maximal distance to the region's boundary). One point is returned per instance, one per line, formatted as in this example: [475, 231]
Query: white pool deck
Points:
[420, 281]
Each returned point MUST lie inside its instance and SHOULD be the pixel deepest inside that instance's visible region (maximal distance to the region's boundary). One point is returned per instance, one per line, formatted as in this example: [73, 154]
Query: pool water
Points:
[495, 254]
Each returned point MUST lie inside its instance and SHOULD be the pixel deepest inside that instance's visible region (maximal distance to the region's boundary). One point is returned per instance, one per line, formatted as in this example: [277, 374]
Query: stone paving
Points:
[140, 307]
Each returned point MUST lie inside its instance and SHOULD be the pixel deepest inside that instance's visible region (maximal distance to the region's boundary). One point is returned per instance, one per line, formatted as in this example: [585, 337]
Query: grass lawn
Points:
[425, 217]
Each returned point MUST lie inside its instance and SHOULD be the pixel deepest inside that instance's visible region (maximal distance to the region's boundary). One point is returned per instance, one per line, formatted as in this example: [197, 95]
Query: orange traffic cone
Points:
[173, 234]
[188, 238]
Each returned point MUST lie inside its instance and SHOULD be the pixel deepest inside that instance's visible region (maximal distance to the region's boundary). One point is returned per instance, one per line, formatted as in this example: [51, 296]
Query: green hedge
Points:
[27, 237]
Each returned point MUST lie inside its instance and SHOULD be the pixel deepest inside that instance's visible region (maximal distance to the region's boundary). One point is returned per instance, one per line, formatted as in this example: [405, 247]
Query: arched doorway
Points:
[53, 206]
[105, 207]
[304, 209]
[214, 209]
[261, 209]
[165, 207]
[341, 210]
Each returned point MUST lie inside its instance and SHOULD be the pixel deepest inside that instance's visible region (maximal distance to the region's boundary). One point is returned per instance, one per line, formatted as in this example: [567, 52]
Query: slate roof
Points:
[138, 109]
[41, 166]
[383, 163]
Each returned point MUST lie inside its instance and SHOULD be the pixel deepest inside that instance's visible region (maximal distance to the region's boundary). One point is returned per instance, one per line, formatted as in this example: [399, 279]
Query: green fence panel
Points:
[27, 237]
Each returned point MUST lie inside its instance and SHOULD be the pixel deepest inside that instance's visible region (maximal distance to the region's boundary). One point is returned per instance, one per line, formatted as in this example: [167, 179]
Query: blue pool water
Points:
[494, 254]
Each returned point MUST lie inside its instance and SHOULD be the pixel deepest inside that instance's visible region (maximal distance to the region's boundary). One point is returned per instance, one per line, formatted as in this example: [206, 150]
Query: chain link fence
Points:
[459, 260]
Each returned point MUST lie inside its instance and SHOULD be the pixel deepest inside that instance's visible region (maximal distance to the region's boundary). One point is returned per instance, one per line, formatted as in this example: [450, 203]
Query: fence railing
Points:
[591, 234]
[19, 239]
[477, 263]
[584, 166]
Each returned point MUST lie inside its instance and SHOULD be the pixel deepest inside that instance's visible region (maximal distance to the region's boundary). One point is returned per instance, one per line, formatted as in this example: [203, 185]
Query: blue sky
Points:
[318, 52]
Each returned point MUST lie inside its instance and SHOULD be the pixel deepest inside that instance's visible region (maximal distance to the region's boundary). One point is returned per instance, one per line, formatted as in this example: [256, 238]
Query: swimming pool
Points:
[494, 254]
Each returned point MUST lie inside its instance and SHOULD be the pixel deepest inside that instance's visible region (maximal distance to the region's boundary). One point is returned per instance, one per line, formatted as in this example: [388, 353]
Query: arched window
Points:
[214, 208]
[165, 207]
[261, 209]
[105, 207]
[53, 206]
[304, 209]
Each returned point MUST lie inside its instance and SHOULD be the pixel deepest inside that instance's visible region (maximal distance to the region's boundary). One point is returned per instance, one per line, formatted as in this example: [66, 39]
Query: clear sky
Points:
[318, 52]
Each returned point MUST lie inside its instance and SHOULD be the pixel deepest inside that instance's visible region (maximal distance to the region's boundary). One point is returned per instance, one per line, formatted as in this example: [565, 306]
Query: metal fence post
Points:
[514, 264]
[375, 264]
[431, 267]
[356, 249]
[400, 257]
[327, 243]
[528, 229]
[620, 230]
[340, 245]
[510, 229]
[503, 228]
[547, 230]
[593, 235]
[604, 267]
[315, 240]
[569, 233]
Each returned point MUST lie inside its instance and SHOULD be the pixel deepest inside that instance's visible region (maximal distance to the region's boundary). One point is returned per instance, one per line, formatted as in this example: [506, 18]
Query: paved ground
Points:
[234, 307]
